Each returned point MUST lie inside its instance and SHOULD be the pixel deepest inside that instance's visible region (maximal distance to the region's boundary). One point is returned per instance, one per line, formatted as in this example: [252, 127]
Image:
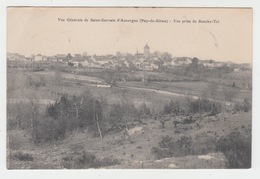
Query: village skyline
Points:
[125, 52]
[142, 60]
[40, 32]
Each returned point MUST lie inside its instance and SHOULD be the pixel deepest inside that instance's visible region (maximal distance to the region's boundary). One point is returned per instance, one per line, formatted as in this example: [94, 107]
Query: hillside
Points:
[129, 152]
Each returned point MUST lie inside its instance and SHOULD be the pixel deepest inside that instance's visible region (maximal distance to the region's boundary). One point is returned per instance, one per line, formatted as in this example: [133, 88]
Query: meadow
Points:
[141, 120]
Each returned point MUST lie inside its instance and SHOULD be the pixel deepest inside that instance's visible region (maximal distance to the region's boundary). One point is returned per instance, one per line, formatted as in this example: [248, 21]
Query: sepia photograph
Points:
[128, 88]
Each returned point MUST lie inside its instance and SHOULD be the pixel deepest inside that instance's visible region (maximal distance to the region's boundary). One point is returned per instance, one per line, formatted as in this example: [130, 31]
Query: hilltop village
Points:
[139, 61]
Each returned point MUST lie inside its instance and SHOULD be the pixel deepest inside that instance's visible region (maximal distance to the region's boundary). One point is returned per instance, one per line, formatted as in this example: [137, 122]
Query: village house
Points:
[90, 62]
[146, 65]
[212, 64]
[61, 57]
[137, 64]
[77, 55]
[51, 58]
[154, 66]
[15, 57]
[154, 58]
[180, 61]
[38, 58]
[127, 64]
[166, 63]
[78, 60]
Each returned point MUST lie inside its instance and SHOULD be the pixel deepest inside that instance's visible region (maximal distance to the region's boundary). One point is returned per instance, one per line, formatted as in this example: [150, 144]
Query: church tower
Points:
[146, 50]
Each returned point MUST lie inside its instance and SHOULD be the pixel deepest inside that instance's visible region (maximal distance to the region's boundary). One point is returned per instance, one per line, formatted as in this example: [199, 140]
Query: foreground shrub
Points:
[48, 129]
[66, 115]
[191, 106]
[172, 107]
[237, 150]
[244, 107]
[20, 115]
[170, 148]
[22, 156]
[86, 160]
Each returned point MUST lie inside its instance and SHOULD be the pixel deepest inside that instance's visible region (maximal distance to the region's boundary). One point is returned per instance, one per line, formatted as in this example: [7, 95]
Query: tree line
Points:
[97, 115]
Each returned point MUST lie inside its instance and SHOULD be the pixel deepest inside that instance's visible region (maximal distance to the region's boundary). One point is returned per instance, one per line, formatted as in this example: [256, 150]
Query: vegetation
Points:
[235, 146]
[192, 106]
[173, 148]
[230, 94]
[79, 109]
[86, 160]
[22, 156]
[67, 115]
[237, 150]
[73, 113]
[244, 107]
[36, 82]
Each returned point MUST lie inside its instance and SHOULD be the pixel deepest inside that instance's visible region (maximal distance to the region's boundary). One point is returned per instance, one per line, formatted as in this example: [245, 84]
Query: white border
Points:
[250, 173]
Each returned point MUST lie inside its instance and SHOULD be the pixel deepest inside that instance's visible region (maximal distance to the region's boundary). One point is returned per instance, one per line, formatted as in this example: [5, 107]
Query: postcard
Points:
[129, 88]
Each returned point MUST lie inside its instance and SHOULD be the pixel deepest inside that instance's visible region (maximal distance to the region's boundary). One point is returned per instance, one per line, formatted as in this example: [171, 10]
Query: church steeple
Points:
[146, 49]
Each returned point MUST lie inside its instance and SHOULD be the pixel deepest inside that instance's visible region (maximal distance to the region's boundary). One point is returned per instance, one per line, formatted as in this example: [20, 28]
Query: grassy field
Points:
[73, 83]
[115, 149]
[18, 88]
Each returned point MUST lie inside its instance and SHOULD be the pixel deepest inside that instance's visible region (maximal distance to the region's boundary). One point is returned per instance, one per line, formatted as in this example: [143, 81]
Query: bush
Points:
[170, 148]
[244, 107]
[86, 160]
[172, 107]
[161, 153]
[216, 108]
[193, 106]
[122, 114]
[166, 142]
[66, 115]
[144, 111]
[21, 114]
[48, 129]
[204, 144]
[22, 156]
[237, 150]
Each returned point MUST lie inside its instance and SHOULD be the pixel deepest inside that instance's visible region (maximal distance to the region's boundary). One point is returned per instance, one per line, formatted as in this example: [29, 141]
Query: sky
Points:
[38, 31]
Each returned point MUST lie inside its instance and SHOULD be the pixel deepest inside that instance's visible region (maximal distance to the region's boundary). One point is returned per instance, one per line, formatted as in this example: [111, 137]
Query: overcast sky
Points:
[38, 31]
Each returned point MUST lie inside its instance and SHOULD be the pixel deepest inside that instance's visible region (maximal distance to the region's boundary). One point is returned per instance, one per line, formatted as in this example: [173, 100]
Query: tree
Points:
[233, 84]
[237, 149]
[110, 78]
[77, 103]
[213, 91]
[69, 57]
[247, 105]
[57, 86]
[230, 94]
[166, 56]
[144, 111]
[194, 64]
[97, 109]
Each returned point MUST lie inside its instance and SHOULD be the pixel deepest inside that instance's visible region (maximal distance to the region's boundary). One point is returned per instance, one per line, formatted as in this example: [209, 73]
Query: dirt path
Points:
[172, 93]
[157, 91]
